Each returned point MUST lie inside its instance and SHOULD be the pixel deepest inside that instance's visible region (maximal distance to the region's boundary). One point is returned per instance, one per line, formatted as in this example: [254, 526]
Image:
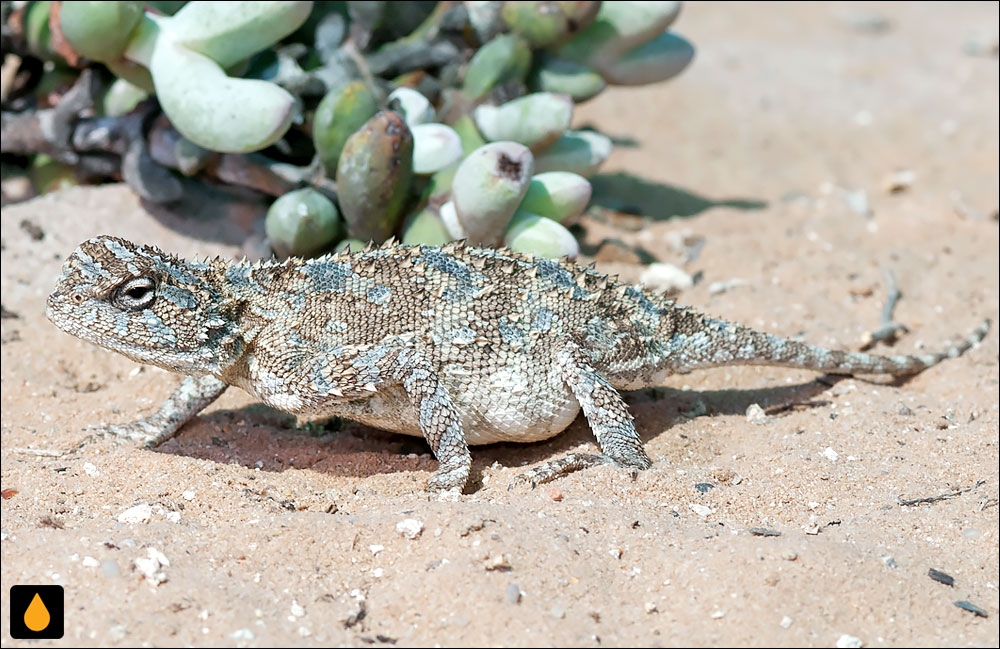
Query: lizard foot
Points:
[549, 471]
[450, 476]
[147, 432]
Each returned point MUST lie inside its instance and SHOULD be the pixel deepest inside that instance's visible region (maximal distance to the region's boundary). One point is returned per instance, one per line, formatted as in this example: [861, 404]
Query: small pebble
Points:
[849, 642]
[375, 548]
[703, 487]
[899, 181]
[497, 562]
[514, 594]
[296, 609]
[187, 495]
[90, 562]
[242, 634]
[410, 528]
[558, 612]
[786, 622]
[789, 555]
[764, 531]
[755, 414]
[972, 608]
[830, 454]
[857, 202]
[889, 561]
[650, 607]
[138, 514]
[941, 577]
[109, 568]
[90, 469]
[718, 615]
[555, 494]
[666, 278]
[701, 510]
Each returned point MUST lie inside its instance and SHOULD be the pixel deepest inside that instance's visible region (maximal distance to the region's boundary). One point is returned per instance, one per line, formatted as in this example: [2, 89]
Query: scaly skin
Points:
[458, 344]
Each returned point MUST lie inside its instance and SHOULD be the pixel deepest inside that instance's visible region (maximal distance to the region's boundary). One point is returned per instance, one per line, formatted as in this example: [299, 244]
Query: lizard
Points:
[459, 344]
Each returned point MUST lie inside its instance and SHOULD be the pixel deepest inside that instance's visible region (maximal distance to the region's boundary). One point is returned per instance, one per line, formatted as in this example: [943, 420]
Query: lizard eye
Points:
[137, 293]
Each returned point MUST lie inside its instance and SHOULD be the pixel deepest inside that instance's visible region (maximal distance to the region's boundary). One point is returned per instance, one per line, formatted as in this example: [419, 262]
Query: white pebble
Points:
[188, 495]
[755, 414]
[849, 642]
[410, 528]
[786, 622]
[138, 514]
[700, 509]
[830, 454]
[90, 469]
[666, 278]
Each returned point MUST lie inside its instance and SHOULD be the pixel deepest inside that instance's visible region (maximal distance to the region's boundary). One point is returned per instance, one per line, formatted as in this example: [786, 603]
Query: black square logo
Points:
[36, 612]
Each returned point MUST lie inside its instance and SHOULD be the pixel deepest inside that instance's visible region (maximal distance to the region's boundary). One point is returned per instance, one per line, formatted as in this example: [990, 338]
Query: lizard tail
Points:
[733, 344]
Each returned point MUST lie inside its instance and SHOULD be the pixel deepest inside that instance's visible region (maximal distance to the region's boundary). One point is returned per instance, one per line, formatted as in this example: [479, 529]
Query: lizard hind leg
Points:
[608, 416]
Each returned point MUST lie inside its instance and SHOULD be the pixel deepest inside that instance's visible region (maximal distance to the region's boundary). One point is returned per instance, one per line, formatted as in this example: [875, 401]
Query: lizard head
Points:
[138, 301]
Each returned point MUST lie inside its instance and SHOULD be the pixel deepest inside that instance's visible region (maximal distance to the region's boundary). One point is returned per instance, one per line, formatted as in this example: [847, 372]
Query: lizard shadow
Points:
[259, 437]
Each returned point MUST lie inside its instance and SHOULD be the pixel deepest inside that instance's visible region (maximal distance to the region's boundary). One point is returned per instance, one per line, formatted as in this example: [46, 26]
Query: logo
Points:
[36, 612]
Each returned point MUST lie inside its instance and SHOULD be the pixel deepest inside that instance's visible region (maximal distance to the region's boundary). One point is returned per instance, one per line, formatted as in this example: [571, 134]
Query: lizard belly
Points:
[493, 409]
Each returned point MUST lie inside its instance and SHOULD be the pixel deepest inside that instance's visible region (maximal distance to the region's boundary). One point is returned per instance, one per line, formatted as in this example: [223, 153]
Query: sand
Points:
[770, 155]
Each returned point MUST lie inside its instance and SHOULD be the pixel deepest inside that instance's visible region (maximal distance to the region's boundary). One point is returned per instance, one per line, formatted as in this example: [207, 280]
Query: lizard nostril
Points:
[78, 298]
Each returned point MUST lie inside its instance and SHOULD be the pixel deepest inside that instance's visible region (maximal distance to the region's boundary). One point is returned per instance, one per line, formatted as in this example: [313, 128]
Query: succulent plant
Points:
[302, 223]
[373, 176]
[430, 121]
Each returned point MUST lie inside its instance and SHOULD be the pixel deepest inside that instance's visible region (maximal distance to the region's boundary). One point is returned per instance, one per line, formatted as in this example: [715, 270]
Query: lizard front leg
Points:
[440, 424]
[191, 397]
[608, 416]
[329, 382]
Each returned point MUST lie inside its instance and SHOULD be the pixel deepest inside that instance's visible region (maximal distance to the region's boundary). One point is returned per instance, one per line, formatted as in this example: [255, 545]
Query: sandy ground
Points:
[280, 536]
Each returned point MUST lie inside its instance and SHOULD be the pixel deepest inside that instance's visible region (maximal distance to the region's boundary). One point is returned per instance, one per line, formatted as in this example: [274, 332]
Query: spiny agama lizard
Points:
[458, 344]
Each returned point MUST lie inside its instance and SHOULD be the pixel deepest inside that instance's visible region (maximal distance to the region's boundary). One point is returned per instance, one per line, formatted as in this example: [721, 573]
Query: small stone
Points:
[755, 414]
[514, 594]
[409, 528]
[296, 609]
[90, 469]
[497, 561]
[375, 548]
[849, 642]
[830, 454]
[140, 513]
[665, 278]
[899, 180]
[650, 607]
[188, 495]
[972, 608]
[789, 555]
[703, 487]
[941, 577]
[857, 202]
[558, 612]
[718, 614]
[786, 622]
[118, 632]
[242, 634]
[90, 562]
[109, 568]
[700, 509]
[764, 531]
[555, 494]
[889, 562]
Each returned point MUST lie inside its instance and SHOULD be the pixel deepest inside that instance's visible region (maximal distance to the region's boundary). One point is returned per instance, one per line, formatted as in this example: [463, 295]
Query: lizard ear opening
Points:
[135, 294]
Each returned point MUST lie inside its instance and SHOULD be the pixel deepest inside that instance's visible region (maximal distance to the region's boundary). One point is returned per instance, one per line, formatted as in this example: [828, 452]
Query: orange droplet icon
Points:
[36, 616]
